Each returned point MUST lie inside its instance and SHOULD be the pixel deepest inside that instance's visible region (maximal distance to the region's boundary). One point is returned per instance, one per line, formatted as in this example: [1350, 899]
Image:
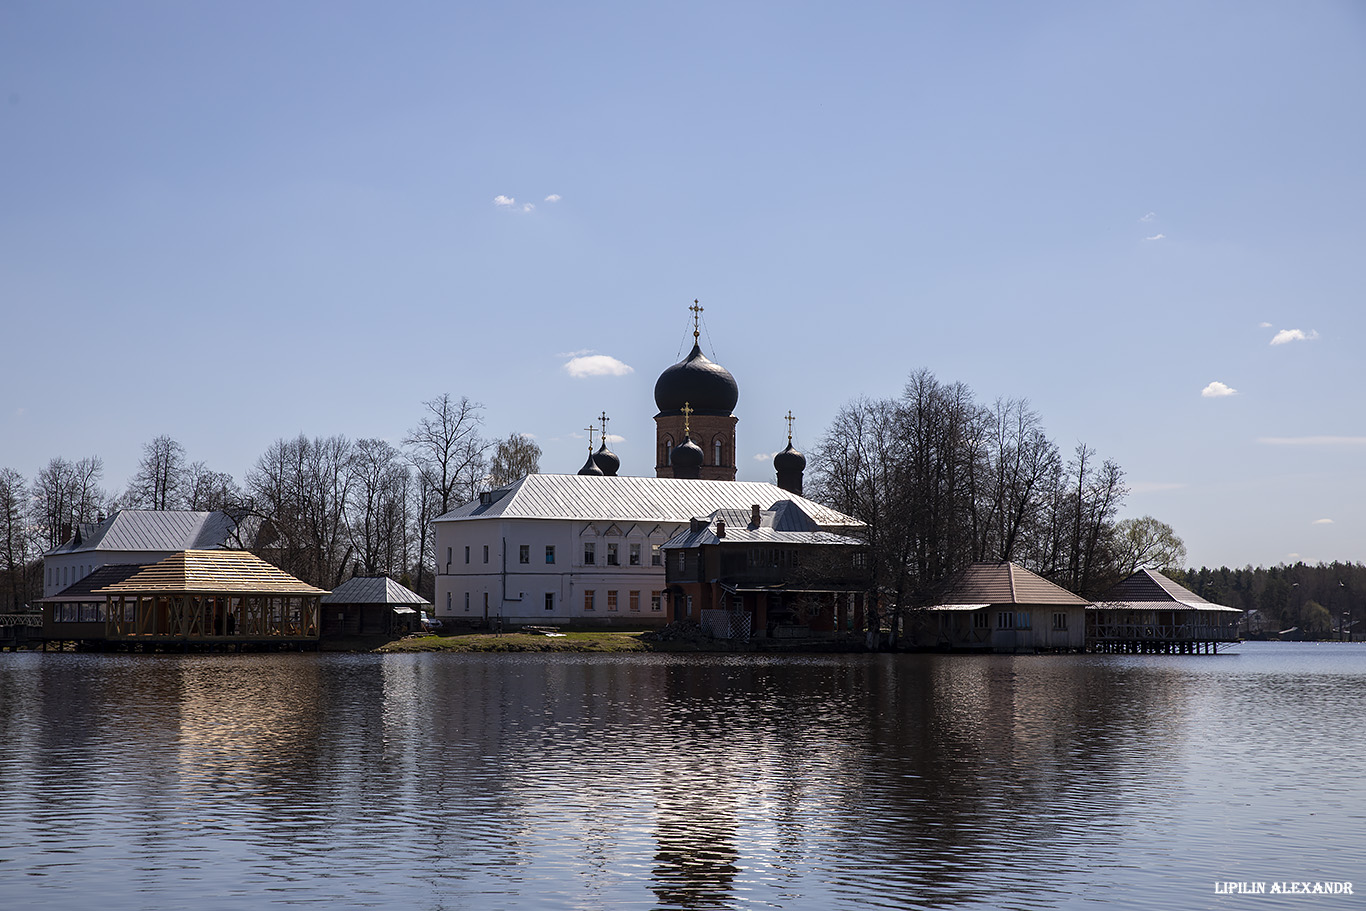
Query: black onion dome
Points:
[687, 454]
[590, 467]
[789, 460]
[707, 387]
[607, 461]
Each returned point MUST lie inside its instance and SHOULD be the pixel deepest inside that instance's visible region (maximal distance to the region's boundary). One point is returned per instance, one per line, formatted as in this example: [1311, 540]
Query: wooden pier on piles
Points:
[1149, 614]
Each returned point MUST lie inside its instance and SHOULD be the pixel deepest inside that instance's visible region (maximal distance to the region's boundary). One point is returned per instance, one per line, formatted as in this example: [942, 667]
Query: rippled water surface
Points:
[504, 781]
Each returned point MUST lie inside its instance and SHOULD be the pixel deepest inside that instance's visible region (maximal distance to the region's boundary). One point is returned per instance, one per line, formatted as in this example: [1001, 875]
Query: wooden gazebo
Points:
[211, 596]
[1149, 613]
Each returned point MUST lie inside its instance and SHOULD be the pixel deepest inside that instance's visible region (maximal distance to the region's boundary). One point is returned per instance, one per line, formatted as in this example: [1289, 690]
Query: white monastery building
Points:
[585, 548]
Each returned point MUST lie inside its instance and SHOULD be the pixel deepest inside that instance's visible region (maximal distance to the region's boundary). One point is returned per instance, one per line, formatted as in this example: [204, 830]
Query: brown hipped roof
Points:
[983, 584]
[219, 571]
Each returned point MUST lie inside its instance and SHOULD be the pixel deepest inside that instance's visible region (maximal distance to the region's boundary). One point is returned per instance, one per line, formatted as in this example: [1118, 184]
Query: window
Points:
[611, 600]
[716, 453]
[1060, 621]
[524, 553]
[588, 599]
[448, 602]
[486, 553]
[980, 620]
[737, 603]
[656, 555]
[682, 561]
[448, 556]
[549, 600]
[1005, 620]
[486, 602]
[656, 601]
[1024, 620]
[612, 557]
[635, 555]
[467, 553]
[635, 601]
[467, 600]
[590, 553]
[550, 553]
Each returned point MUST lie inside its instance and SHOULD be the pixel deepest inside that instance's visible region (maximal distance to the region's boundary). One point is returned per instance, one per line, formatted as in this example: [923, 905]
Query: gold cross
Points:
[687, 411]
[696, 318]
[591, 430]
[789, 420]
[604, 418]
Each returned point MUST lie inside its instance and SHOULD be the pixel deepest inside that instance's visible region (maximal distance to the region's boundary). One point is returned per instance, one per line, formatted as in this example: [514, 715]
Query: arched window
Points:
[668, 451]
[716, 452]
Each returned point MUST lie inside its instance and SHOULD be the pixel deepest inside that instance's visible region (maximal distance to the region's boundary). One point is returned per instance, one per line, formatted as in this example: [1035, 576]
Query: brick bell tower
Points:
[708, 393]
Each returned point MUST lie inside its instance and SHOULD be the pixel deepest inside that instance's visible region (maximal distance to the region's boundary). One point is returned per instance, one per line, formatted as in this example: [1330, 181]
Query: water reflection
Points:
[503, 781]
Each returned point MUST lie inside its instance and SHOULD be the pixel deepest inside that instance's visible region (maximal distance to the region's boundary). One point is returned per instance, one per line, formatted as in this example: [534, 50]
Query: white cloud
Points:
[580, 353]
[1149, 217]
[1155, 237]
[1293, 335]
[615, 438]
[1217, 389]
[1263, 325]
[596, 365]
[1313, 441]
[528, 207]
[764, 456]
[1322, 522]
[553, 197]
[504, 201]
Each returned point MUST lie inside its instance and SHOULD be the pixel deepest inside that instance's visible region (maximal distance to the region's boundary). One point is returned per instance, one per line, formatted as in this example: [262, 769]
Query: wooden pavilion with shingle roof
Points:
[1004, 607]
[1150, 613]
[228, 597]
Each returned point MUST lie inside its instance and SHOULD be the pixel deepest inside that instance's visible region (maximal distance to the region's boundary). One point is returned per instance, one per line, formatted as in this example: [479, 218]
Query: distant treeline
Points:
[321, 508]
[1318, 599]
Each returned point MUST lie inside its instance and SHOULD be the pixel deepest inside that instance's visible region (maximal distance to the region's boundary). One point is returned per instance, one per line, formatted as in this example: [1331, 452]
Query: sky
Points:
[235, 222]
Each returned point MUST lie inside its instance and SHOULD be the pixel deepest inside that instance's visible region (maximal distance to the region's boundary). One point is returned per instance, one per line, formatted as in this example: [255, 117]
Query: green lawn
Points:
[595, 641]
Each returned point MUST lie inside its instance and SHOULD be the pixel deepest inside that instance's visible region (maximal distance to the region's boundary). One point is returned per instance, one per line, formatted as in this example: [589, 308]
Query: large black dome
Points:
[706, 387]
[789, 460]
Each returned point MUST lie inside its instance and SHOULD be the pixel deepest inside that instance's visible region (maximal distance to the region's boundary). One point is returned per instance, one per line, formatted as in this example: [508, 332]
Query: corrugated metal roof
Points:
[627, 499]
[105, 575]
[785, 523]
[1148, 589]
[372, 590]
[148, 529]
[1005, 583]
[211, 571]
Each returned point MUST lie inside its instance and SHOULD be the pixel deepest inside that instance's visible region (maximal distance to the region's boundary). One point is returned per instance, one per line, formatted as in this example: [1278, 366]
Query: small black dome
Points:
[706, 387]
[590, 467]
[687, 454]
[607, 461]
[789, 460]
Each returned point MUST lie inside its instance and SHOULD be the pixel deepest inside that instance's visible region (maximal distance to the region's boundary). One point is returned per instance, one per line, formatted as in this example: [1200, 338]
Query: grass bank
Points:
[593, 641]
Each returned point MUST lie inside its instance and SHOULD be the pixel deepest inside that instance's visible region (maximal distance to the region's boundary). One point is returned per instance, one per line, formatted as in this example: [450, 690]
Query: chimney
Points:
[754, 516]
[720, 528]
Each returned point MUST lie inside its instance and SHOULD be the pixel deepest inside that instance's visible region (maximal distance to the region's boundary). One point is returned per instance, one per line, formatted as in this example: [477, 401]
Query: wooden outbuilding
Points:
[1003, 607]
[371, 606]
[1150, 613]
[214, 597]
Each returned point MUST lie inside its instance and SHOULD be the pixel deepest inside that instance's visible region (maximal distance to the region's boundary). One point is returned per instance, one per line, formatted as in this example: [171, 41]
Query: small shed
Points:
[371, 605]
[1150, 613]
[211, 596]
[1004, 607]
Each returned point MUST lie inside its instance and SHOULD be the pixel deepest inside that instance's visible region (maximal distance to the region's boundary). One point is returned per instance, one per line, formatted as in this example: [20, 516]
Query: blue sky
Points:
[235, 222]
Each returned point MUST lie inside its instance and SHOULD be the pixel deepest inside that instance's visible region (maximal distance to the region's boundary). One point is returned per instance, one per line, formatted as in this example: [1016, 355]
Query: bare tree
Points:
[514, 458]
[301, 489]
[64, 494]
[446, 449]
[378, 513]
[207, 490]
[16, 548]
[160, 480]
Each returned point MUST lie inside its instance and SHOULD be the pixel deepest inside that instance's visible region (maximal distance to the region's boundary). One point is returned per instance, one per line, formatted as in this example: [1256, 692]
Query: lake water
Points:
[649, 781]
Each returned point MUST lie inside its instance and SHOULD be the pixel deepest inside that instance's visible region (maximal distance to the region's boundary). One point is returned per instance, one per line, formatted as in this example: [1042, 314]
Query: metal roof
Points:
[105, 575]
[211, 571]
[149, 529]
[373, 590]
[628, 499]
[986, 584]
[784, 523]
[1148, 589]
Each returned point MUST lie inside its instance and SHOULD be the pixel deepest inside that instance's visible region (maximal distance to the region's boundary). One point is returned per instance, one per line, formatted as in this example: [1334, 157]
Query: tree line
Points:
[320, 508]
[1316, 601]
[943, 480]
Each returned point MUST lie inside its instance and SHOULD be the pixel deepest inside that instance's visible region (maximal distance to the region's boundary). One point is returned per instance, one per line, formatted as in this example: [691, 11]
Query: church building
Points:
[587, 548]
